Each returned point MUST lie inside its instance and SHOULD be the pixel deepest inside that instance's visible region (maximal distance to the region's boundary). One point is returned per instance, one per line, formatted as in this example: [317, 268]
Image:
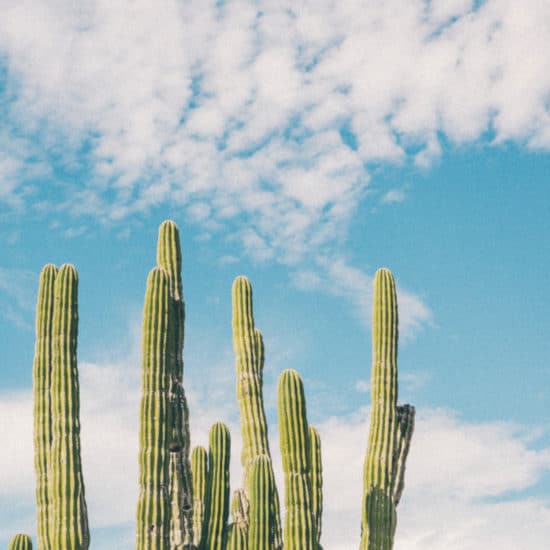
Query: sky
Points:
[304, 144]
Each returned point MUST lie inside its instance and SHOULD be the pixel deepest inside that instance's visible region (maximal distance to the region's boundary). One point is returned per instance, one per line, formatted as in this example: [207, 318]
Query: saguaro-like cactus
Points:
[299, 531]
[69, 518]
[261, 489]
[153, 510]
[199, 469]
[316, 480]
[237, 536]
[391, 426]
[42, 371]
[169, 258]
[20, 542]
[249, 352]
[217, 500]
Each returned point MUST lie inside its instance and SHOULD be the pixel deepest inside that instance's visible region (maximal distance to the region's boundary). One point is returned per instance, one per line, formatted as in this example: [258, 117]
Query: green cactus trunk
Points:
[68, 513]
[199, 470]
[316, 480]
[42, 371]
[299, 532]
[153, 510]
[261, 490]
[237, 536]
[217, 499]
[249, 351]
[390, 427]
[20, 542]
[181, 485]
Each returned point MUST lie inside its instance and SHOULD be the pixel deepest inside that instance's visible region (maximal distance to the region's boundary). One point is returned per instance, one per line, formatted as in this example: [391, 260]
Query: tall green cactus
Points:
[261, 490]
[69, 517]
[249, 352]
[316, 480]
[217, 499]
[299, 531]
[391, 426]
[42, 371]
[153, 510]
[169, 258]
[20, 542]
[199, 470]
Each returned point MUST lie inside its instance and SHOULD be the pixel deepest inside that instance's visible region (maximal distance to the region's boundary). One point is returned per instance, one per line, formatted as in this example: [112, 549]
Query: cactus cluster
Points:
[184, 500]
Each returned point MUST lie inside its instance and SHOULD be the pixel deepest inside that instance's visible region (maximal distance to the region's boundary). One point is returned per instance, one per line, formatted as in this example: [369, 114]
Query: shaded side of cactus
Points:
[42, 370]
[237, 535]
[261, 488]
[199, 470]
[299, 531]
[170, 259]
[20, 542]
[68, 512]
[217, 499]
[153, 510]
[390, 426]
[316, 480]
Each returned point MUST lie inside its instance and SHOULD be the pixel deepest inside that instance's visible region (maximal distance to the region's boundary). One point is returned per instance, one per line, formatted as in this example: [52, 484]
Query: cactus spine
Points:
[181, 529]
[316, 480]
[42, 371]
[199, 469]
[20, 542]
[69, 518]
[153, 510]
[299, 533]
[390, 426]
[217, 500]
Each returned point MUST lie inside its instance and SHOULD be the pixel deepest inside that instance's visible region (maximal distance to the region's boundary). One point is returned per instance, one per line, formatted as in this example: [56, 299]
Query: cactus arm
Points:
[20, 542]
[170, 259]
[199, 469]
[316, 480]
[42, 367]
[69, 518]
[294, 442]
[153, 510]
[390, 430]
[405, 422]
[217, 502]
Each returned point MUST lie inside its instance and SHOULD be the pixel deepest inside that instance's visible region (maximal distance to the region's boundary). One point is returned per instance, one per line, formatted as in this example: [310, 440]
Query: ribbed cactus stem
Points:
[42, 370]
[181, 529]
[299, 532]
[261, 488]
[390, 426]
[217, 501]
[237, 535]
[153, 510]
[199, 470]
[68, 513]
[316, 479]
[20, 542]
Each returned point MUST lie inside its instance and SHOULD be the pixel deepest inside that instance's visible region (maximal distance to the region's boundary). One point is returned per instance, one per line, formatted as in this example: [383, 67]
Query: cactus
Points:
[68, 513]
[261, 489]
[249, 352]
[299, 532]
[316, 480]
[237, 535]
[217, 500]
[42, 371]
[181, 530]
[391, 425]
[199, 469]
[153, 510]
[20, 541]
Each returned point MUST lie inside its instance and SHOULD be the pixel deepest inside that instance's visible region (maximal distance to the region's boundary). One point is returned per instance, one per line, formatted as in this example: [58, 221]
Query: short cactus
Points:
[316, 480]
[391, 425]
[69, 517]
[237, 536]
[260, 490]
[20, 542]
[199, 469]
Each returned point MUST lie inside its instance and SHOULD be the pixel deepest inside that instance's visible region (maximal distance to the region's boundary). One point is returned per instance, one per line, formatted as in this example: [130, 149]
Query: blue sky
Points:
[304, 147]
